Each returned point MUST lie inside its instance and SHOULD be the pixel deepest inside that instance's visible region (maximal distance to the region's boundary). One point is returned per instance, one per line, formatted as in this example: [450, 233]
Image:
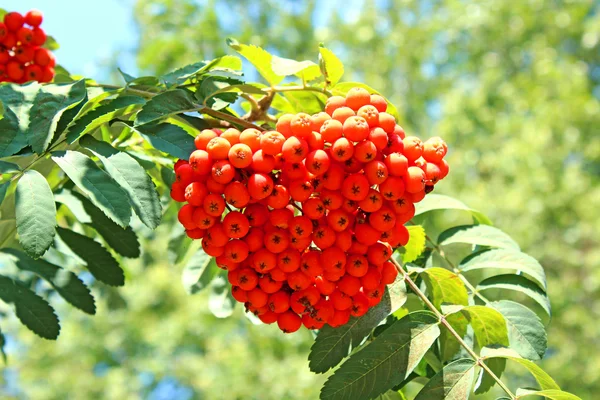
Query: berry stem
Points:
[479, 360]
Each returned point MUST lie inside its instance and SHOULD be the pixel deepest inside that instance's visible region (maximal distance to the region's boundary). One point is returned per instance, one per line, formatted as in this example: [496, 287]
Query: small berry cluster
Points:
[306, 217]
[21, 57]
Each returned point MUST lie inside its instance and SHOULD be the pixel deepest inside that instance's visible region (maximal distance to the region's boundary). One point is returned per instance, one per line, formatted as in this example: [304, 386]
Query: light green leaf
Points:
[102, 190]
[433, 202]
[49, 104]
[260, 58]
[392, 395]
[488, 324]
[552, 394]
[220, 301]
[453, 382]
[332, 345]
[331, 66]
[445, 287]
[168, 138]
[36, 213]
[102, 114]
[482, 235]
[199, 272]
[32, 310]
[386, 361]
[66, 283]
[449, 346]
[166, 104]
[341, 89]
[542, 378]
[520, 284]
[416, 243]
[307, 70]
[179, 244]
[126, 171]
[99, 261]
[505, 259]
[526, 333]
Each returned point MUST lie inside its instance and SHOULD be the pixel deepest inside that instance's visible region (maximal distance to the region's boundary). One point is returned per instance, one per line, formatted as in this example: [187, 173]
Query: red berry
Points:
[34, 18]
[13, 21]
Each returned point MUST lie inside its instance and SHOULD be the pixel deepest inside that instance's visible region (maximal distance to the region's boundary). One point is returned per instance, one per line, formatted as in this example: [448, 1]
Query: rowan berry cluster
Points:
[306, 217]
[22, 58]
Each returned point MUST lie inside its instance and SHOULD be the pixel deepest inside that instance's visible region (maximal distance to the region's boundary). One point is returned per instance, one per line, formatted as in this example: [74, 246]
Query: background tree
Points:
[512, 86]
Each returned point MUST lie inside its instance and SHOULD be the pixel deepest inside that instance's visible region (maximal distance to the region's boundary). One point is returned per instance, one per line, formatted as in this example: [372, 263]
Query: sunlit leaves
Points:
[331, 66]
[199, 272]
[36, 213]
[220, 301]
[260, 58]
[445, 287]
[433, 202]
[453, 382]
[416, 243]
[482, 235]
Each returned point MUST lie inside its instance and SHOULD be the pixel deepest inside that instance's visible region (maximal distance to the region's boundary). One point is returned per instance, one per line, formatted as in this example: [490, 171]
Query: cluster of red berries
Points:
[22, 58]
[306, 217]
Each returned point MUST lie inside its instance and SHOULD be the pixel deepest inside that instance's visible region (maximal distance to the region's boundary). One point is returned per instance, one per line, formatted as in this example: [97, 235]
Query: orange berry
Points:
[289, 322]
[398, 130]
[178, 192]
[317, 162]
[232, 135]
[289, 260]
[236, 225]
[357, 265]
[260, 186]
[413, 147]
[263, 260]
[333, 178]
[212, 250]
[218, 148]
[271, 142]
[240, 155]
[214, 186]
[301, 226]
[388, 273]
[268, 317]
[370, 114]
[318, 120]
[251, 138]
[315, 141]
[366, 235]
[279, 198]
[333, 103]
[343, 240]
[277, 240]
[342, 114]
[283, 125]
[376, 172]
[311, 265]
[355, 187]
[379, 253]
[300, 189]
[239, 294]
[34, 18]
[301, 125]
[254, 239]
[257, 297]
[379, 138]
[222, 171]
[340, 317]
[360, 305]
[356, 128]
[372, 279]
[298, 280]
[195, 193]
[185, 216]
[201, 141]
[395, 144]
[201, 162]
[313, 208]
[323, 236]
[365, 151]
[324, 286]
[383, 219]
[340, 300]
[434, 149]
[357, 97]
[397, 164]
[279, 302]
[415, 180]
[295, 170]
[216, 235]
[387, 122]
[379, 102]
[392, 188]
[213, 205]
[294, 149]
[342, 149]
[262, 162]
[332, 200]
[349, 285]
[373, 201]
[257, 214]
[236, 251]
[331, 130]
[236, 194]
[338, 220]
[269, 285]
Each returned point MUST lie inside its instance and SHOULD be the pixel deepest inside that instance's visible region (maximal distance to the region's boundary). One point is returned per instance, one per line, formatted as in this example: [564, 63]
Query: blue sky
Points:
[89, 32]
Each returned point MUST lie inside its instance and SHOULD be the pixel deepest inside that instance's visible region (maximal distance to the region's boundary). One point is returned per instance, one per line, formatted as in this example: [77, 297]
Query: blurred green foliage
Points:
[513, 87]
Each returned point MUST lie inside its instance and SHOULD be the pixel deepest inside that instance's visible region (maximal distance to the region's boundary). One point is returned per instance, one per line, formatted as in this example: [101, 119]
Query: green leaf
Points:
[199, 272]
[179, 244]
[386, 361]
[416, 243]
[520, 284]
[481, 235]
[505, 259]
[168, 138]
[181, 75]
[488, 324]
[99, 261]
[331, 66]
[485, 382]
[2, 337]
[74, 204]
[51, 43]
[3, 189]
[433, 202]
[102, 190]
[392, 395]
[132, 178]
[50, 103]
[307, 70]
[552, 394]
[8, 167]
[66, 283]
[36, 213]
[260, 58]
[17, 100]
[341, 89]
[449, 346]
[526, 333]
[542, 378]
[445, 287]
[123, 241]
[220, 301]
[166, 104]
[453, 382]
[332, 345]
[32, 310]
[102, 114]
[214, 92]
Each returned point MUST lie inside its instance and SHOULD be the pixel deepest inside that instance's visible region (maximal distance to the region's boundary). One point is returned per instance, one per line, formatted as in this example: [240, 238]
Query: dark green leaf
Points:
[199, 272]
[50, 102]
[453, 382]
[168, 138]
[36, 213]
[181, 75]
[484, 381]
[3, 189]
[32, 310]
[386, 361]
[179, 244]
[526, 333]
[433, 202]
[517, 283]
[7, 167]
[102, 190]
[331, 66]
[482, 235]
[445, 287]
[99, 261]
[12, 140]
[332, 345]
[220, 301]
[505, 259]
[66, 283]
[450, 347]
[102, 114]
[126, 171]
[166, 104]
